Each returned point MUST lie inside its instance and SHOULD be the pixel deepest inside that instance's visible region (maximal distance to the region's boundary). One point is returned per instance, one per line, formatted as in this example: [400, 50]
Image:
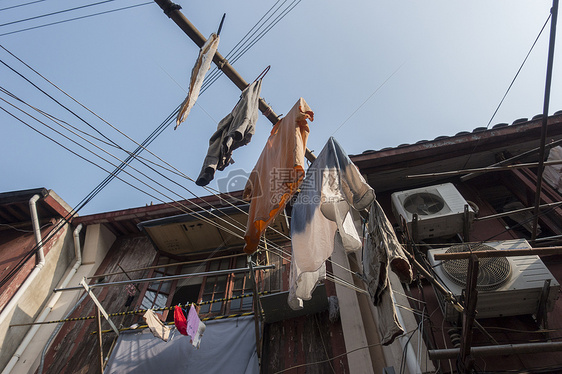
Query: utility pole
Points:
[173, 12]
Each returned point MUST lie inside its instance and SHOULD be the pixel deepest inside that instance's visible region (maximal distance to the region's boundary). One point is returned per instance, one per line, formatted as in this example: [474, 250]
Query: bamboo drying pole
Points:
[172, 10]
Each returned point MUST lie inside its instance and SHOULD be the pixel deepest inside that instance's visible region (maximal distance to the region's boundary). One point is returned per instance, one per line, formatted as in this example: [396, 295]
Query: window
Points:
[241, 285]
[157, 293]
[226, 286]
[201, 288]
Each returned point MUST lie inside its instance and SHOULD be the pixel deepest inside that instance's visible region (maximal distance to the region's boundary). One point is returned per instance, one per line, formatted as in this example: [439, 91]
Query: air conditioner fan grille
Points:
[424, 203]
[492, 272]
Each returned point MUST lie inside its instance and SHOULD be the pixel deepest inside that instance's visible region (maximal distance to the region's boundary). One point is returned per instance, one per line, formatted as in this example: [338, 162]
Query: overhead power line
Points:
[250, 39]
[76, 18]
[132, 155]
[20, 5]
[55, 13]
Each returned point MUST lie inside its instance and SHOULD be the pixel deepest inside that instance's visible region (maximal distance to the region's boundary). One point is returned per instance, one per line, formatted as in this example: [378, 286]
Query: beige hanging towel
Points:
[156, 326]
[201, 67]
[278, 172]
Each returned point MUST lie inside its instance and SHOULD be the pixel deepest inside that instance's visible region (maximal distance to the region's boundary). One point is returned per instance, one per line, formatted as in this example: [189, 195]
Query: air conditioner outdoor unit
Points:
[507, 286]
[440, 210]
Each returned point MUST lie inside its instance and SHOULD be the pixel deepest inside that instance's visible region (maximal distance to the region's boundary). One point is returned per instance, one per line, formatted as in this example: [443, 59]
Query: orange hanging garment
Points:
[278, 172]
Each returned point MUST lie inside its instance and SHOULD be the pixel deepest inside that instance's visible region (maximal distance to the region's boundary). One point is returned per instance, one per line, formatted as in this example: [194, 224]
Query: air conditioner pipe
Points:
[40, 260]
[52, 302]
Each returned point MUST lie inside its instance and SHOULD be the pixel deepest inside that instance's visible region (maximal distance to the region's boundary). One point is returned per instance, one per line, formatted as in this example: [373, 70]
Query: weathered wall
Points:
[308, 344]
[75, 349]
[58, 257]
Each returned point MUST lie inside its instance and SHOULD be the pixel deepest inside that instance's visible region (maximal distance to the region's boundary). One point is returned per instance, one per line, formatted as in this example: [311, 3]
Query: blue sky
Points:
[376, 73]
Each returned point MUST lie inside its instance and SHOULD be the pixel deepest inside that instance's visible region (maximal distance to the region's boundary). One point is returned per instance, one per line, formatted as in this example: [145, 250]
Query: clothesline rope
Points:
[138, 311]
[142, 327]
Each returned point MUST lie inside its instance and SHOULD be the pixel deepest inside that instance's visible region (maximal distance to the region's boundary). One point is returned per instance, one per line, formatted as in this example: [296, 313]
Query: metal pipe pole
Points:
[257, 307]
[497, 350]
[169, 278]
[505, 214]
[487, 169]
[533, 151]
[173, 11]
[499, 253]
[554, 15]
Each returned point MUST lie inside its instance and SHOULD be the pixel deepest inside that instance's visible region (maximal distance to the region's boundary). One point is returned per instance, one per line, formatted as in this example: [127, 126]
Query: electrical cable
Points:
[125, 163]
[146, 176]
[20, 5]
[193, 211]
[518, 71]
[55, 13]
[509, 88]
[333, 358]
[216, 73]
[182, 186]
[52, 98]
[76, 18]
[143, 174]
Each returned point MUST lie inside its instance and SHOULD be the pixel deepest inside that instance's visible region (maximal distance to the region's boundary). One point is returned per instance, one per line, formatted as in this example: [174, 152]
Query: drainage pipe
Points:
[40, 261]
[37, 230]
[52, 302]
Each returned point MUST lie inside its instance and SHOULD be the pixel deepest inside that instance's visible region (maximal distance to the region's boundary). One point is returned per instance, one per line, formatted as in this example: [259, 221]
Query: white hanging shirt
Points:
[331, 195]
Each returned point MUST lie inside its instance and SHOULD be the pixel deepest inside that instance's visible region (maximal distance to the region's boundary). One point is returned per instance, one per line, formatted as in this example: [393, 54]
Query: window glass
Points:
[148, 300]
[165, 287]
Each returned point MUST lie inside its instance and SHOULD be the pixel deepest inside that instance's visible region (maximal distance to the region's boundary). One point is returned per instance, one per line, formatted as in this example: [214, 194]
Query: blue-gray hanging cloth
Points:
[233, 131]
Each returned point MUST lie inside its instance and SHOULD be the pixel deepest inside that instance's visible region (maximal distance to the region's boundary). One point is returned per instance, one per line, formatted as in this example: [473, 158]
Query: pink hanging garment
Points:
[195, 328]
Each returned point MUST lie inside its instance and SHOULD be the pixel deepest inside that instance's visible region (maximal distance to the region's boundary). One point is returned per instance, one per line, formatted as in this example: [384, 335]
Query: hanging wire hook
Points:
[263, 73]
[220, 26]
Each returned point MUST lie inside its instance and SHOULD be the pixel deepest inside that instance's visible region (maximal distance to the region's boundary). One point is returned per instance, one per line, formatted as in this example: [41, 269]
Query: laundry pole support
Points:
[173, 11]
[542, 148]
[99, 307]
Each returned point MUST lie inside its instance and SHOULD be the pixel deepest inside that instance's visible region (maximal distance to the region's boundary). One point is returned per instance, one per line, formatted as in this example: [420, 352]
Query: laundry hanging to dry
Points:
[195, 327]
[278, 172]
[330, 198]
[156, 326]
[383, 251]
[179, 320]
[201, 67]
[233, 131]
